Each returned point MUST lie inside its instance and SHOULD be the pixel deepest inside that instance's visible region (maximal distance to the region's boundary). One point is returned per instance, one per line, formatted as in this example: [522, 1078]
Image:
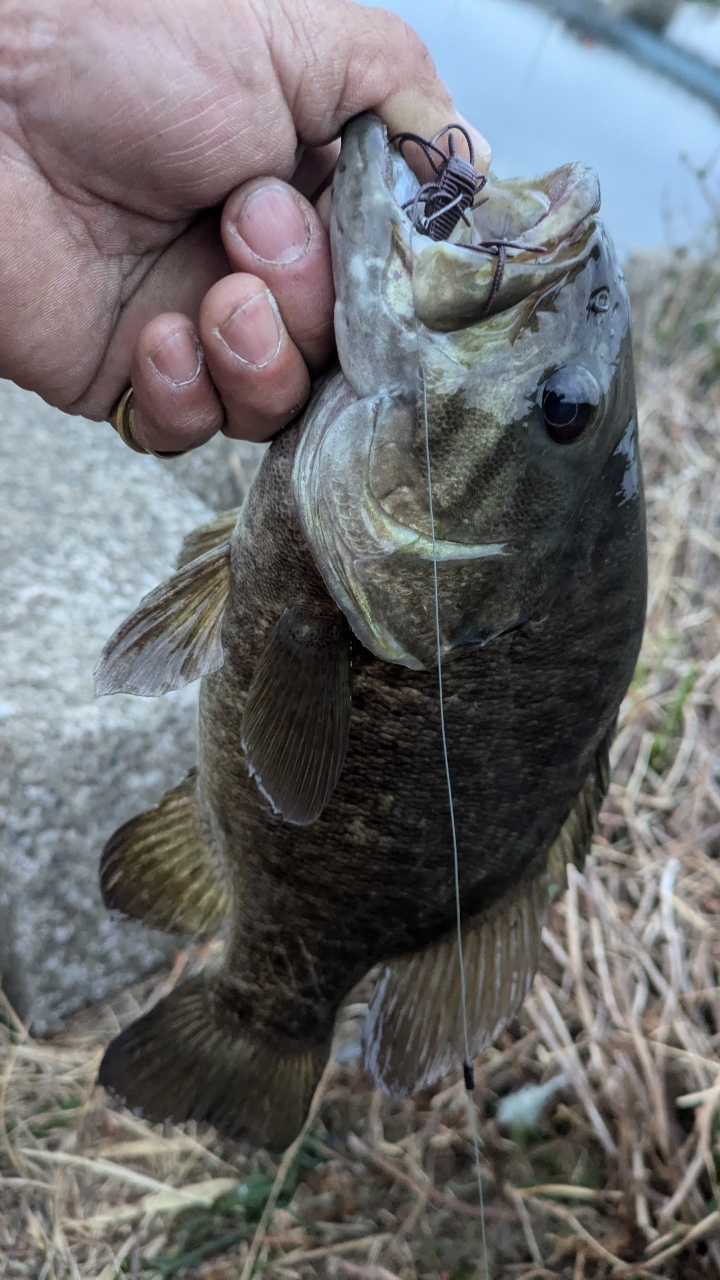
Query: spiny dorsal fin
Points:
[207, 537]
[190, 1058]
[173, 637]
[159, 869]
[413, 1033]
[297, 715]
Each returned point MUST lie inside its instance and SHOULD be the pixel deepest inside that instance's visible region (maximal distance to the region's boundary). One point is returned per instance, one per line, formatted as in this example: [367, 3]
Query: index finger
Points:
[427, 120]
[366, 59]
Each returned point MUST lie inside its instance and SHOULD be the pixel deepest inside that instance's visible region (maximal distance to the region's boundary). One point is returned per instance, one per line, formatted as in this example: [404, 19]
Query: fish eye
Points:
[569, 400]
[600, 299]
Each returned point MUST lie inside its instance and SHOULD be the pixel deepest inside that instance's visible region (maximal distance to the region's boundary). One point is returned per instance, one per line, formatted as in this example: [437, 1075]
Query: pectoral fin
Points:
[173, 637]
[159, 868]
[413, 1034]
[208, 537]
[297, 715]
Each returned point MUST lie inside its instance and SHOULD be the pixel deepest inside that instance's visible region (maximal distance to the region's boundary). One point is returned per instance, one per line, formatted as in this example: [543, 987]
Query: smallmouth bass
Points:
[316, 828]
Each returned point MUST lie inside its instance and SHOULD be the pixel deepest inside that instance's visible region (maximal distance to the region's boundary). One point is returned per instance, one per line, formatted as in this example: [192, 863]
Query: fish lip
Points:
[569, 196]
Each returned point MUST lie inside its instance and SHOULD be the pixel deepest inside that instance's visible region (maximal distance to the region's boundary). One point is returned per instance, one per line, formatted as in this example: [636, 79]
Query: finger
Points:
[427, 120]
[173, 281]
[373, 61]
[176, 405]
[323, 208]
[272, 232]
[260, 375]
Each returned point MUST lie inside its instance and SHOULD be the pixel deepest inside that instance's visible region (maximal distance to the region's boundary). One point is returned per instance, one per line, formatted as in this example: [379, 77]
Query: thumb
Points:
[360, 59]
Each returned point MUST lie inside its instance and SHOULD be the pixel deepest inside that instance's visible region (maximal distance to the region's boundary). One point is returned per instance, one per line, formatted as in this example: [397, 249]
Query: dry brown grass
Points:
[619, 1177]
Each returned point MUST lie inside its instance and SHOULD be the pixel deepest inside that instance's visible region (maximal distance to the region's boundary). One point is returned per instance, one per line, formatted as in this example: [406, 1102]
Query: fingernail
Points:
[178, 358]
[252, 331]
[273, 225]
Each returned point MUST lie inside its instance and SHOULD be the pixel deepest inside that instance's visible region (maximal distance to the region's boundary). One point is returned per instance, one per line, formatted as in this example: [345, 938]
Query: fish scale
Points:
[308, 616]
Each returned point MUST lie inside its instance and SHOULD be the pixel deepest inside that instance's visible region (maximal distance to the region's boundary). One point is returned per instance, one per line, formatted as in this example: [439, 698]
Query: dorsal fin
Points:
[297, 715]
[173, 637]
[208, 537]
[413, 1034]
[160, 869]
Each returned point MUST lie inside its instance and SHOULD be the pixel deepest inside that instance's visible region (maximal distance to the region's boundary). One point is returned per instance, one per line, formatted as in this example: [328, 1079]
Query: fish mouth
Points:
[390, 278]
[546, 223]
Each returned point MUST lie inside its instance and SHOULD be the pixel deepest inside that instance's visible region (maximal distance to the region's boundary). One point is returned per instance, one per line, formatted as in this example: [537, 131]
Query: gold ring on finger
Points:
[122, 419]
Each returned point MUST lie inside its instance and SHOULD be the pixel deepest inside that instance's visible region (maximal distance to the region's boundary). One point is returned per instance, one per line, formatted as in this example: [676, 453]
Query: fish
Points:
[315, 831]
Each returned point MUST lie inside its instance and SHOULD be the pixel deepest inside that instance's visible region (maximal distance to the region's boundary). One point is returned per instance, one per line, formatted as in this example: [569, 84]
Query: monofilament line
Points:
[448, 779]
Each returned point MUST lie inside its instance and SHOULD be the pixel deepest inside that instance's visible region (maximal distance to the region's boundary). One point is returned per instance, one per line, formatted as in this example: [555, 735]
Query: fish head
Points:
[483, 416]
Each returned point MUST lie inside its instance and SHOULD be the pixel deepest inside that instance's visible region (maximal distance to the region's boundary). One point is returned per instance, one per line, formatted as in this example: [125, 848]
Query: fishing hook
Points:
[437, 207]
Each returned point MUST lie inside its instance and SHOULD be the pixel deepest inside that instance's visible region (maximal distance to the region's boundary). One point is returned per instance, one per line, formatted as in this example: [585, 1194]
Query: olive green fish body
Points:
[318, 906]
[318, 826]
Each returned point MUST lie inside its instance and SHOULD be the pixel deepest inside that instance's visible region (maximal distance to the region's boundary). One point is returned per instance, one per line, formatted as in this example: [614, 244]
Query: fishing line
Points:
[467, 1063]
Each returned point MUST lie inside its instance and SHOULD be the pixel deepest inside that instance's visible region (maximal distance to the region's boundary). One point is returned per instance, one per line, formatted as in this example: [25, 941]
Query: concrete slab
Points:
[87, 528]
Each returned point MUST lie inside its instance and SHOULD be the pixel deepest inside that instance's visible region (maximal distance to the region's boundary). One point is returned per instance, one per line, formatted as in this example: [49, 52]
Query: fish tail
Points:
[192, 1058]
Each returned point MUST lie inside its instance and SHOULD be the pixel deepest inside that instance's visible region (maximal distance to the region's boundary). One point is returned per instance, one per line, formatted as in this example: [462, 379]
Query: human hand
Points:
[155, 225]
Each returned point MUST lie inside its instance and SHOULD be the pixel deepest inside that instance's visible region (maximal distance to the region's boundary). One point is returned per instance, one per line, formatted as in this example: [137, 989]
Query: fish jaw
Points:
[360, 549]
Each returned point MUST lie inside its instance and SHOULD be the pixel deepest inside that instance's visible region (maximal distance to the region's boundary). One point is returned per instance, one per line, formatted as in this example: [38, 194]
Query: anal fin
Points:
[297, 714]
[413, 1033]
[159, 869]
[190, 1058]
[173, 637]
